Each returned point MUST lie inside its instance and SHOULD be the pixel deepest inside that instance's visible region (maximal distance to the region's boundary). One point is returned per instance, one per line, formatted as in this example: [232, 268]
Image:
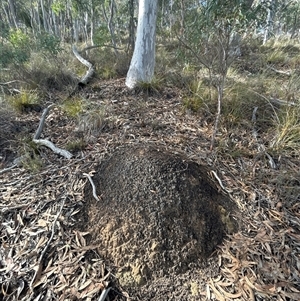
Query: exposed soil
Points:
[145, 154]
[158, 215]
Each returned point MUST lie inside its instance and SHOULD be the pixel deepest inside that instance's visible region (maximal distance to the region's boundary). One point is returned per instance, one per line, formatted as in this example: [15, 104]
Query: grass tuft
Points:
[76, 145]
[72, 107]
[287, 130]
[29, 154]
[25, 101]
[155, 85]
[92, 121]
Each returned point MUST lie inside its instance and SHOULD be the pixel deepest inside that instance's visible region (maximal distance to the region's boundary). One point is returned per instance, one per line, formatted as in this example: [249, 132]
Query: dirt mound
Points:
[158, 213]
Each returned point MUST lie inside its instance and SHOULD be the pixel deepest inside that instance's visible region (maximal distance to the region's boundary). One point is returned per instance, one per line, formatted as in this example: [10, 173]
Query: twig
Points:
[287, 73]
[282, 102]
[10, 82]
[219, 180]
[8, 169]
[271, 161]
[40, 262]
[93, 186]
[97, 46]
[104, 294]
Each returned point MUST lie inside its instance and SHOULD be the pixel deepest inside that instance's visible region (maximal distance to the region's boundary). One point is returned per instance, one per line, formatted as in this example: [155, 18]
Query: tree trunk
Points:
[143, 60]
[12, 7]
[110, 23]
[270, 17]
[131, 27]
[44, 16]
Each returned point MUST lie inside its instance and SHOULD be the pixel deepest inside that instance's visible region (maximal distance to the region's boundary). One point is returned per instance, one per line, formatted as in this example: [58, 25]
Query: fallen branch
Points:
[282, 102]
[16, 163]
[55, 149]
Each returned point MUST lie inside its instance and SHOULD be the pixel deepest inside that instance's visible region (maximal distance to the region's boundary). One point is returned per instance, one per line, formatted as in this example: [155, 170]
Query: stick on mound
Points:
[158, 213]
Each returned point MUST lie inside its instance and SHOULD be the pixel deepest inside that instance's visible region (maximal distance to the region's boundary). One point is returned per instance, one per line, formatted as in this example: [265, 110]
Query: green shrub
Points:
[48, 43]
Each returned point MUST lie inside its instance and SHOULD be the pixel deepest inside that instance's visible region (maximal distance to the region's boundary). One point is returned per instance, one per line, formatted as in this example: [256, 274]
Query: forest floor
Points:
[44, 255]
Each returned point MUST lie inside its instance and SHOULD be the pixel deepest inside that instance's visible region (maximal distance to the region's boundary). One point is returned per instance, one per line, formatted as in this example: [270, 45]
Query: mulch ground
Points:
[44, 256]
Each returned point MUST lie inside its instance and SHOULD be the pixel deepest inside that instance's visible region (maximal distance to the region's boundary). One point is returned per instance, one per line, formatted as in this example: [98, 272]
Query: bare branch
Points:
[98, 46]
[55, 149]
[93, 186]
[42, 122]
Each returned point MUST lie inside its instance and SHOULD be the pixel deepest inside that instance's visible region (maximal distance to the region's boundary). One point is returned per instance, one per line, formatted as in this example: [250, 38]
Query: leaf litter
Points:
[43, 256]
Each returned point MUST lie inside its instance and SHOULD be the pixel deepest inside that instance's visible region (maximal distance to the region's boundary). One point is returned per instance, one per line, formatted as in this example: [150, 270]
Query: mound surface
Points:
[158, 213]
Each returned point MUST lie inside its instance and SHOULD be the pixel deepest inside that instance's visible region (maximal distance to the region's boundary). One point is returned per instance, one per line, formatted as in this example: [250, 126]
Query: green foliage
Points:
[15, 48]
[108, 72]
[48, 43]
[23, 100]
[32, 162]
[18, 46]
[7, 55]
[200, 95]
[57, 6]
[4, 30]
[72, 107]
[102, 35]
[19, 39]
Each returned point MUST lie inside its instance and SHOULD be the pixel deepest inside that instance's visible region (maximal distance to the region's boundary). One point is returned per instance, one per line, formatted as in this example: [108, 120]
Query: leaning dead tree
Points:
[91, 70]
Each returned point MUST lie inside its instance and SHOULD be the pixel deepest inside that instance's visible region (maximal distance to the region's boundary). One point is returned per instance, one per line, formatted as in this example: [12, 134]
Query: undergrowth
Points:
[270, 86]
[25, 101]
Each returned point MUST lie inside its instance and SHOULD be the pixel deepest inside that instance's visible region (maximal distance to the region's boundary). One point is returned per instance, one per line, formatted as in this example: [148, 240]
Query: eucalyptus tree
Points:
[143, 60]
[212, 35]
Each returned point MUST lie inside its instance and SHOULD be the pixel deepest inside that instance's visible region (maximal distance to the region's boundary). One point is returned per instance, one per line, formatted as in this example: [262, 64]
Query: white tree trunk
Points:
[143, 59]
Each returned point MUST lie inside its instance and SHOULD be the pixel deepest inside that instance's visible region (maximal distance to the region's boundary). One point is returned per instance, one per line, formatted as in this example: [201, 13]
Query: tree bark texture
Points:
[143, 60]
